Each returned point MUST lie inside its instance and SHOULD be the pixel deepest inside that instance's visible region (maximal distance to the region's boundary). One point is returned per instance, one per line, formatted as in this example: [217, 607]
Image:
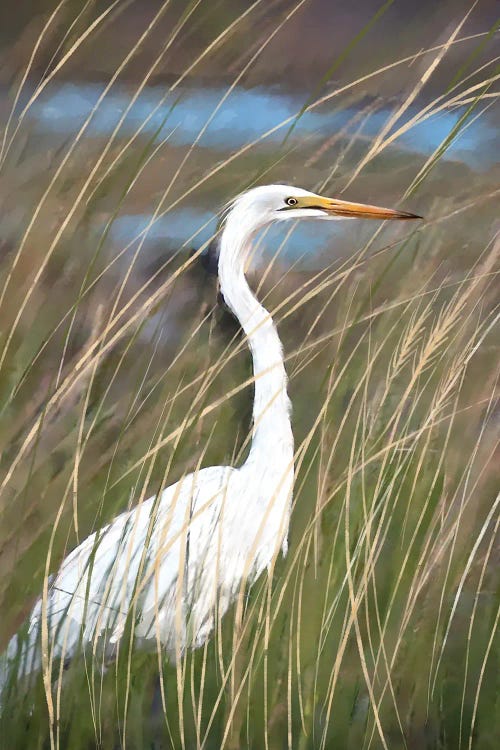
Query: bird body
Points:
[172, 565]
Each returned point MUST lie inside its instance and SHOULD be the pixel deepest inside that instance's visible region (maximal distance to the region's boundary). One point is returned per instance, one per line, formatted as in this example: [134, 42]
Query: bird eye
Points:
[291, 201]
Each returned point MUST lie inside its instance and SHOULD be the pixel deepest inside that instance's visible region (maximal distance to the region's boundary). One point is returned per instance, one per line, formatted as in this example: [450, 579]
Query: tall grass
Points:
[118, 377]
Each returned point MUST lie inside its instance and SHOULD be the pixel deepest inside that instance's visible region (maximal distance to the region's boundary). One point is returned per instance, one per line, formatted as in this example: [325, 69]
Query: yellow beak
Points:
[346, 209]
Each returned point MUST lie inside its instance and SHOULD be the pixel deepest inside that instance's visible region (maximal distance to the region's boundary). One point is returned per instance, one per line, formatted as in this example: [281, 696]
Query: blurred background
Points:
[125, 127]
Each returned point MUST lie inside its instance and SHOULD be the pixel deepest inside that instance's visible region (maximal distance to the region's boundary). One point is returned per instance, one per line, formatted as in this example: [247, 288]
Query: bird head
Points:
[269, 203]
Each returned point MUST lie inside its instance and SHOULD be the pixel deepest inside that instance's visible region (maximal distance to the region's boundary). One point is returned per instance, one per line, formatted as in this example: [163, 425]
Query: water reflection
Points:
[242, 117]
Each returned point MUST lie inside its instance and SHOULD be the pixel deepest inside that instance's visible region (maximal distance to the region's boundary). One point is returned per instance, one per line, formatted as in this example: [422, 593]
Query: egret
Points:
[174, 563]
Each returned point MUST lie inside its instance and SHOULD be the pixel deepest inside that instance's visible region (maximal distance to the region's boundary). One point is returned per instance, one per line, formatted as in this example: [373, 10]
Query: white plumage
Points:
[173, 564]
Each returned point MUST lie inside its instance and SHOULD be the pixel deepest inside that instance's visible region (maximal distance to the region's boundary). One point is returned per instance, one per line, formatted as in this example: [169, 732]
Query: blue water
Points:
[243, 117]
[307, 245]
[177, 225]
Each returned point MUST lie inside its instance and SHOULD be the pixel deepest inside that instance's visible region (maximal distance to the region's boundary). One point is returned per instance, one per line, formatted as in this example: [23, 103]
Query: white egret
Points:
[174, 563]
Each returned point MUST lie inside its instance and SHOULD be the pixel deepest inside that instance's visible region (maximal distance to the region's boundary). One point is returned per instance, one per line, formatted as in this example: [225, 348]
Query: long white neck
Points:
[272, 438]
